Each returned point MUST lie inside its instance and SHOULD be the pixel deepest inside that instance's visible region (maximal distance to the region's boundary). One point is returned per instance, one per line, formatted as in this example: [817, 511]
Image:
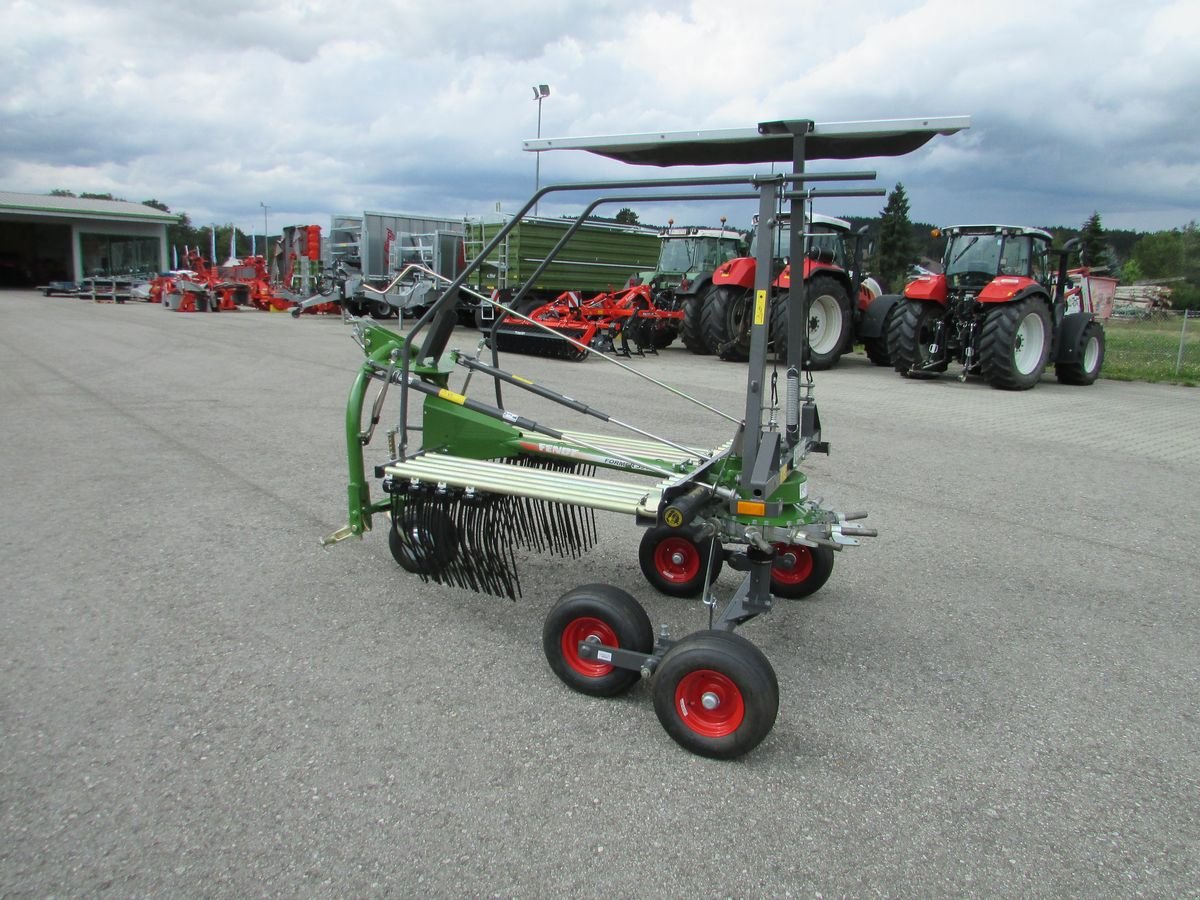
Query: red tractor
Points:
[832, 319]
[1002, 309]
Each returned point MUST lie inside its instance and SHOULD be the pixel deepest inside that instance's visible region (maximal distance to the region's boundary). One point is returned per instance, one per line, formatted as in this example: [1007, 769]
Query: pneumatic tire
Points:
[912, 331]
[691, 329]
[725, 322]
[829, 322]
[599, 613]
[676, 563]
[1089, 357]
[716, 694]
[1014, 345]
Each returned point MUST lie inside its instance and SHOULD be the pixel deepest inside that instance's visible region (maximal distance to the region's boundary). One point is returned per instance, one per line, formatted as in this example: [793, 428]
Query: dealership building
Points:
[45, 238]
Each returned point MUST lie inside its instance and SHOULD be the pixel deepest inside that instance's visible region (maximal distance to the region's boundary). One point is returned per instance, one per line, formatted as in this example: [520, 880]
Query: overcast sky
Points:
[314, 108]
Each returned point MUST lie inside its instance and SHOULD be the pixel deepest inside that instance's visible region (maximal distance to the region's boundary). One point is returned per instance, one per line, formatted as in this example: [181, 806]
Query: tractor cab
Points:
[687, 254]
[977, 254]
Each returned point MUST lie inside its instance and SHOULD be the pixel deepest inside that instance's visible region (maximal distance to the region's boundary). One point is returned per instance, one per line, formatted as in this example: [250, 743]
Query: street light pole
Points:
[540, 93]
[265, 208]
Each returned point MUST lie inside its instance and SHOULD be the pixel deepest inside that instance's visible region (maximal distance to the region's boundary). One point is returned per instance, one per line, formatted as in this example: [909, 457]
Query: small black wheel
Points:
[381, 309]
[423, 544]
[675, 562]
[1089, 357]
[716, 694]
[601, 614]
[799, 571]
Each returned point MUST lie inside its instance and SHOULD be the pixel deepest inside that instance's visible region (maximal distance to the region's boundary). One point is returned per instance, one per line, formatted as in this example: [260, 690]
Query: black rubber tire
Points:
[1084, 370]
[730, 669]
[803, 574]
[431, 542]
[1004, 361]
[690, 328]
[877, 348]
[827, 292]
[675, 562]
[663, 335]
[604, 612]
[725, 324]
[908, 339]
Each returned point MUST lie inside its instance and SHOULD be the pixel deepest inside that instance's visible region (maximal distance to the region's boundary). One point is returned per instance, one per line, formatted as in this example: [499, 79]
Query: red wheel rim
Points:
[709, 703]
[677, 560]
[583, 629]
[793, 564]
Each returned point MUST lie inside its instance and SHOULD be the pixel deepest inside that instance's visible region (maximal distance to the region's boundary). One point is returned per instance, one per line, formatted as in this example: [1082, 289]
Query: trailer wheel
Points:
[1014, 345]
[423, 544]
[690, 327]
[716, 694]
[381, 309]
[601, 614]
[675, 563]
[1089, 357]
[725, 321]
[911, 336]
[800, 571]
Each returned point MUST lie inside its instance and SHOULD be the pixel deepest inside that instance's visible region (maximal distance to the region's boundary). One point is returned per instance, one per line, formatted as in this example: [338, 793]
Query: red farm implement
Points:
[626, 321]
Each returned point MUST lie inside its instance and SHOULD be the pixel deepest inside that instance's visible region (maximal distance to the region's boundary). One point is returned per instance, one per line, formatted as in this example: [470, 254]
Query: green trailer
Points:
[598, 257]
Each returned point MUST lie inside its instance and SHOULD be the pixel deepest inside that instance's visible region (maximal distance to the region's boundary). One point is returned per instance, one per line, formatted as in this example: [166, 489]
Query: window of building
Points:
[115, 254]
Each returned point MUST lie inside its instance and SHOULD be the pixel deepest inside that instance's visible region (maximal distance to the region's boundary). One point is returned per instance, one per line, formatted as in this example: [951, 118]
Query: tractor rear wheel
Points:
[690, 328]
[600, 614]
[725, 322]
[716, 694]
[829, 322]
[911, 336]
[1089, 357]
[676, 563]
[1014, 345]
[799, 571]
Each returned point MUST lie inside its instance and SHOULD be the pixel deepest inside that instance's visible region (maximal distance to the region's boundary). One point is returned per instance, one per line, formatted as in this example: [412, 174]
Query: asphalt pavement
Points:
[996, 697]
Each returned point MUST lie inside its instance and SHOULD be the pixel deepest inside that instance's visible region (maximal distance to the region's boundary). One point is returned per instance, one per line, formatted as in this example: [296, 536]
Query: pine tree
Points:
[1093, 248]
[897, 249]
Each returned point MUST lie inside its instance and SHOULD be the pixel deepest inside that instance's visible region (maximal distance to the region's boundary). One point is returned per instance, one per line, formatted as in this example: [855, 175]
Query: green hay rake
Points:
[486, 479]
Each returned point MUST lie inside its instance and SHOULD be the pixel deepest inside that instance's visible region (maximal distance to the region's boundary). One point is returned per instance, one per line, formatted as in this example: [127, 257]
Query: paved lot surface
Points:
[998, 696]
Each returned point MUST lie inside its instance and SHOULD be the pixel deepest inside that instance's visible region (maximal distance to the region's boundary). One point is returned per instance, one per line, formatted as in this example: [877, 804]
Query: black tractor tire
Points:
[877, 347]
[676, 562]
[1014, 344]
[830, 322]
[606, 615]
[716, 694]
[800, 571]
[909, 336]
[1089, 357]
[690, 328]
[725, 322]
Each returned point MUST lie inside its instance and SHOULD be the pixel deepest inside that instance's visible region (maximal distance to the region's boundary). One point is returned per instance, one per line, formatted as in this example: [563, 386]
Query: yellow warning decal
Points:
[760, 307]
[452, 397]
[673, 517]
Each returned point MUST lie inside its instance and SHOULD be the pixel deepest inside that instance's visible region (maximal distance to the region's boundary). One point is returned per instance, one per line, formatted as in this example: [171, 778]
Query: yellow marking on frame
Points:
[760, 307]
[522, 380]
[452, 397]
